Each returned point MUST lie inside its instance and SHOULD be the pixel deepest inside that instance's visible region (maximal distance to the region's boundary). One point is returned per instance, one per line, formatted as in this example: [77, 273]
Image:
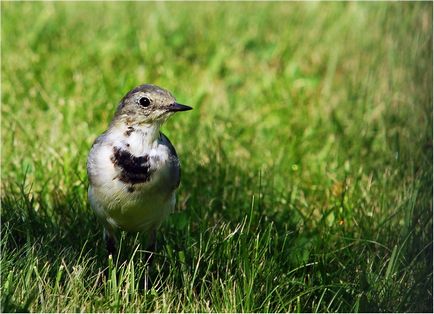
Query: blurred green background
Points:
[307, 160]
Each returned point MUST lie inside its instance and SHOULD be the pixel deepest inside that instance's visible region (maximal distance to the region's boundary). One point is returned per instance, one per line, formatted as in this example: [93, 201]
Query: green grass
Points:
[307, 160]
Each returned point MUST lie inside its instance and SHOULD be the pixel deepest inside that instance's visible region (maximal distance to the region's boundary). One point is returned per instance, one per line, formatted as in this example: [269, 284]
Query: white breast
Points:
[139, 206]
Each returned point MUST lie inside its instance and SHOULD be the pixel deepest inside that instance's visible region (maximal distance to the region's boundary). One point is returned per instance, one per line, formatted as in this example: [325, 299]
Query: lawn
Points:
[307, 170]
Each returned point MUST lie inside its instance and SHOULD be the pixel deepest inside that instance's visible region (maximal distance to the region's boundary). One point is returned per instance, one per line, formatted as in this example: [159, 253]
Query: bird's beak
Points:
[178, 107]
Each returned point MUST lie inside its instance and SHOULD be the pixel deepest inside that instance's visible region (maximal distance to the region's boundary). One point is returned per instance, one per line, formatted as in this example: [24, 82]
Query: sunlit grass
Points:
[306, 162]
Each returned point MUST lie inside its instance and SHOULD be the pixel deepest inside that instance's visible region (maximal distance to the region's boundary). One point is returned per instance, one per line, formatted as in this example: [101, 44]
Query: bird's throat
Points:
[148, 133]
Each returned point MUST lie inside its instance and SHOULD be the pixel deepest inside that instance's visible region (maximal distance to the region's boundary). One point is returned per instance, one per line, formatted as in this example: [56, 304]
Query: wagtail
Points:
[133, 168]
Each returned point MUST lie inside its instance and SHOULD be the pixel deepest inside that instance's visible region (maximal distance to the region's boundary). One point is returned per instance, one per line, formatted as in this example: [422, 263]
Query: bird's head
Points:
[147, 104]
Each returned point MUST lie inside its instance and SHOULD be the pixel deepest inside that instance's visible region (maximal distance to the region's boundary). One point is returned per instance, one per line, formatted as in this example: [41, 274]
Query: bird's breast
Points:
[133, 182]
[133, 156]
[132, 169]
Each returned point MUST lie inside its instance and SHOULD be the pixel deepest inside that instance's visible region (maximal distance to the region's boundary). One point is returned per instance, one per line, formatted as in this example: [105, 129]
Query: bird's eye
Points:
[144, 102]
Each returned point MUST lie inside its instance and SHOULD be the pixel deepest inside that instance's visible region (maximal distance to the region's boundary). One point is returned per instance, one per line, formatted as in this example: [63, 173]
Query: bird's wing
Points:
[176, 166]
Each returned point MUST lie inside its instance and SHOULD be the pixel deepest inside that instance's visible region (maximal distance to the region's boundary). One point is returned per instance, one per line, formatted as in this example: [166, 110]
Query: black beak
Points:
[178, 107]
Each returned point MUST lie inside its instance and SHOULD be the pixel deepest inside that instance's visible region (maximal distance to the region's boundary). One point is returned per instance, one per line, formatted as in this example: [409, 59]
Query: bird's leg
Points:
[151, 246]
[111, 246]
[145, 282]
[152, 241]
[110, 241]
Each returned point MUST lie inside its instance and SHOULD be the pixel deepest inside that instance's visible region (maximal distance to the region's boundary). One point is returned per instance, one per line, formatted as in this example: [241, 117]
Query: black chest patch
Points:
[133, 169]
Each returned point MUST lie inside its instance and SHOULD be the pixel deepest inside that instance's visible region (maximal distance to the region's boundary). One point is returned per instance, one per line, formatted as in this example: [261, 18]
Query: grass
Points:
[307, 160]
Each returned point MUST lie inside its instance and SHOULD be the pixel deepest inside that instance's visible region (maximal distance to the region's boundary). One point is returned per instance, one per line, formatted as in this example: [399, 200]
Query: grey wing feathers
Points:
[175, 160]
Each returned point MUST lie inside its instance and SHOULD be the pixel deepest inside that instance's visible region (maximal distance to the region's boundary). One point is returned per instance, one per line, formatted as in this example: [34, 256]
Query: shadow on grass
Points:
[227, 229]
[215, 221]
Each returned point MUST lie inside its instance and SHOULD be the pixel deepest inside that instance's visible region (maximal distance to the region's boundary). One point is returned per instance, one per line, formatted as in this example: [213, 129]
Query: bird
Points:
[133, 168]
